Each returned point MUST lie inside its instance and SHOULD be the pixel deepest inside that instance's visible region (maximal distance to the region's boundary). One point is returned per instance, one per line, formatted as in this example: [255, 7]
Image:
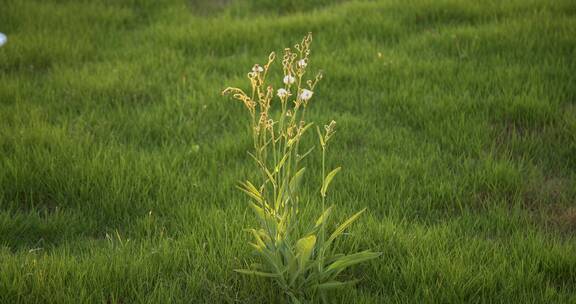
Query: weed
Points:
[303, 262]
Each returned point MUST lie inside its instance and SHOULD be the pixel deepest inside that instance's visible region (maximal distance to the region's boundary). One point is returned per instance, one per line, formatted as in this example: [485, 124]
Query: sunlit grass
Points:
[119, 158]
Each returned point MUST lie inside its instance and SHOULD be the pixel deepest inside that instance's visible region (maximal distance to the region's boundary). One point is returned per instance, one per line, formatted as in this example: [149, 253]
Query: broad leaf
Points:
[304, 248]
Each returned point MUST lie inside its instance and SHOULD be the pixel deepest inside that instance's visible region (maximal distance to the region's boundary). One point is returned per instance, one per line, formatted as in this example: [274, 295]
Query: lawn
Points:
[119, 157]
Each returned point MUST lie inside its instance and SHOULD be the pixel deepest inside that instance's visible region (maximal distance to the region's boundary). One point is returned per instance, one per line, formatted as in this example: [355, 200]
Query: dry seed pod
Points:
[271, 58]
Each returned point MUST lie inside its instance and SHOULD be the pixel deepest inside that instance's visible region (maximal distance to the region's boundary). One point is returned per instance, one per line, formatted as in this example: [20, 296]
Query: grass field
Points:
[119, 157]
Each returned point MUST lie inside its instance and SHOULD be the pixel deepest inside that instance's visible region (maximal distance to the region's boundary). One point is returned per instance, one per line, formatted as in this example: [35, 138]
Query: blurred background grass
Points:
[118, 156]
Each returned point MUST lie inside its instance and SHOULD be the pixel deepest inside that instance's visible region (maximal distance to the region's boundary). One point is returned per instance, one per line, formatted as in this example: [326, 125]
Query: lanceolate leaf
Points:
[328, 180]
[352, 259]
[251, 191]
[306, 127]
[343, 227]
[281, 163]
[304, 248]
[335, 284]
[280, 196]
[293, 298]
[264, 169]
[257, 273]
[324, 217]
[295, 181]
[259, 212]
[258, 238]
[271, 258]
[282, 224]
[301, 157]
[320, 136]
[268, 222]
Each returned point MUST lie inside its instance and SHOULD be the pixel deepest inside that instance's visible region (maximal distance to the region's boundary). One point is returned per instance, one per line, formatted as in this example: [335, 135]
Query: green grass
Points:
[118, 157]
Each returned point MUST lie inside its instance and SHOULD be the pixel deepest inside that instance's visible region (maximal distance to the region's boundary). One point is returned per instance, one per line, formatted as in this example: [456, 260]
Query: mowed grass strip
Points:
[118, 156]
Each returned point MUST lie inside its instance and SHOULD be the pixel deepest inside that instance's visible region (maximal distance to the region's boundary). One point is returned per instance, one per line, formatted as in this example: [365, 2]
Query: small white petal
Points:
[289, 79]
[282, 93]
[306, 94]
[302, 63]
[257, 69]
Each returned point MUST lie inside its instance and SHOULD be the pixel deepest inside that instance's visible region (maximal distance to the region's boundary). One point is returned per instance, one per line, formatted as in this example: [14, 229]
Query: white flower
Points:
[306, 94]
[283, 93]
[257, 69]
[302, 63]
[289, 79]
[3, 39]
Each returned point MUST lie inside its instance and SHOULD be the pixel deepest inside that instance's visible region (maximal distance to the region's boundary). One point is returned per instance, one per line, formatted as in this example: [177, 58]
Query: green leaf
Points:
[343, 227]
[257, 273]
[324, 217]
[264, 169]
[328, 180]
[334, 257]
[251, 191]
[266, 219]
[320, 136]
[291, 265]
[257, 248]
[352, 259]
[270, 257]
[305, 154]
[306, 127]
[304, 248]
[258, 211]
[293, 298]
[298, 135]
[280, 196]
[262, 238]
[335, 284]
[295, 181]
[283, 223]
[281, 163]
[258, 238]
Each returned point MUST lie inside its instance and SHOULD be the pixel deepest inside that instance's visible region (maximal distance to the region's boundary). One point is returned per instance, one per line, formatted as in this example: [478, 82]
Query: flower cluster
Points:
[294, 64]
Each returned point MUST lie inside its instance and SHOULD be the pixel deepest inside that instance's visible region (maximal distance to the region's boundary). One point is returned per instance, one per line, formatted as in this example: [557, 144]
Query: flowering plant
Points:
[304, 264]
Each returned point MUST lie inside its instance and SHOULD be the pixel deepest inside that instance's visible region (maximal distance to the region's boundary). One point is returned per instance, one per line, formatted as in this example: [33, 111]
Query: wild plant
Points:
[303, 262]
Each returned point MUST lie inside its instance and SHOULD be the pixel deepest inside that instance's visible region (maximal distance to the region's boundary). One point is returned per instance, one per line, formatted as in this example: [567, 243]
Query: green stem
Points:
[322, 227]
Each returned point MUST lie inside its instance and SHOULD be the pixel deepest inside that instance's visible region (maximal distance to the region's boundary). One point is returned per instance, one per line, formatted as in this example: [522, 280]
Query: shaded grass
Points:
[456, 128]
